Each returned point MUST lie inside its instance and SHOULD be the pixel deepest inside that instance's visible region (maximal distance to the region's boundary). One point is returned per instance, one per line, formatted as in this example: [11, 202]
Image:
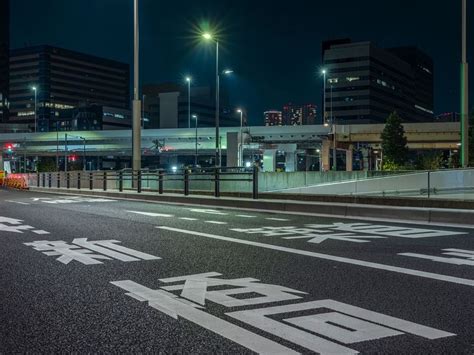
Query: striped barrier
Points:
[15, 181]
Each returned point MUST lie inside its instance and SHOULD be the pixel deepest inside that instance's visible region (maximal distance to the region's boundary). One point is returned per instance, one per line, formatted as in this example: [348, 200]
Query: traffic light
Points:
[9, 148]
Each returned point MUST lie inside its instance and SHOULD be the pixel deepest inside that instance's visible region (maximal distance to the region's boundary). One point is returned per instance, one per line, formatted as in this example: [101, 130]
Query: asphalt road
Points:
[272, 283]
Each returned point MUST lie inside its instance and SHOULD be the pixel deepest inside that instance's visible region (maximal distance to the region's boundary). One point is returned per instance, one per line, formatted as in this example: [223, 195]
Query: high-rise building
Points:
[166, 106]
[64, 80]
[4, 55]
[273, 118]
[297, 115]
[366, 83]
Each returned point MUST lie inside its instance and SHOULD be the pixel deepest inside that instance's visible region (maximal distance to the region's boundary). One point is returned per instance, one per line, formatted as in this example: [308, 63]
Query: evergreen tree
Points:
[394, 142]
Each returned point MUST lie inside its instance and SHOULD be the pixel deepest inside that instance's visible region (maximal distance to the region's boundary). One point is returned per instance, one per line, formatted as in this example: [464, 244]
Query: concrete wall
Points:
[416, 184]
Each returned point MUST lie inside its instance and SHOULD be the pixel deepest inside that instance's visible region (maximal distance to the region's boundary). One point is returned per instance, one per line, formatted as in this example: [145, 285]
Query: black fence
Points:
[150, 180]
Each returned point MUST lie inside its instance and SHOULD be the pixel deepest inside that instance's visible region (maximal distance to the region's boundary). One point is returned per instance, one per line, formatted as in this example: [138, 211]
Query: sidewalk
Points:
[430, 215]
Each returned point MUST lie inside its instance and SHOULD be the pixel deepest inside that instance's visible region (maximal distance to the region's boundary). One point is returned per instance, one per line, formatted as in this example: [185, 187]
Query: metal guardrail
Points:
[216, 175]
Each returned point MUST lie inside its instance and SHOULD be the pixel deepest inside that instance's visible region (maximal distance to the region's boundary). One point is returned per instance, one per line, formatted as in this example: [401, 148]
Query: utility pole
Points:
[136, 127]
[464, 92]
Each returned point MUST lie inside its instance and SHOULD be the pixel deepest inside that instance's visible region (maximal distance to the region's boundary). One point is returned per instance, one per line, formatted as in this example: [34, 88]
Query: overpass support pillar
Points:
[325, 153]
[232, 149]
[1, 160]
[349, 157]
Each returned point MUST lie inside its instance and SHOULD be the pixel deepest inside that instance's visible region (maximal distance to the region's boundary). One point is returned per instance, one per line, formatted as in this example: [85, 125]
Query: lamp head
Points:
[207, 36]
[227, 71]
[188, 79]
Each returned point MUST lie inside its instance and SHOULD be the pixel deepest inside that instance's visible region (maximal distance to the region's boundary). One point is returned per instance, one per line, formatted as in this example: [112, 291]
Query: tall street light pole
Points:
[464, 91]
[35, 89]
[241, 150]
[324, 95]
[136, 127]
[196, 146]
[188, 80]
[209, 37]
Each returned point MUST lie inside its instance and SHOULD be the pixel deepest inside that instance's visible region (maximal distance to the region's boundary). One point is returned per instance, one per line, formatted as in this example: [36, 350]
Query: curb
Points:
[344, 210]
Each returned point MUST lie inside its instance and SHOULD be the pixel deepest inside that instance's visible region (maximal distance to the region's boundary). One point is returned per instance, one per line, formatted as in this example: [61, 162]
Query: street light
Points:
[196, 147]
[209, 37]
[35, 89]
[241, 150]
[188, 80]
[464, 91]
[136, 123]
[324, 96]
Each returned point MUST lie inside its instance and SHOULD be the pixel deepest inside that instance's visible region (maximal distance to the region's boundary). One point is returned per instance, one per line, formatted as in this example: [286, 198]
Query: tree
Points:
[394, 142]
[46, 165]
[430, 161]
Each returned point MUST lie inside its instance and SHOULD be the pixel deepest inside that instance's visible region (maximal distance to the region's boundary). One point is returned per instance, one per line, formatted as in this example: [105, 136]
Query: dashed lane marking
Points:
[215, 222]
[188, 219]
[19, 202]
[277, 219]
[150, 214]
[245, 216]
[372, 265]
[40, 232]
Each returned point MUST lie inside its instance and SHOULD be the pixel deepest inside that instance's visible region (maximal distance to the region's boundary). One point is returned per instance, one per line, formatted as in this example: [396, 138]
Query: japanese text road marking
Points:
[13, 225]
[339, 322]
[396, 269]
[463, 257]
[82, 250]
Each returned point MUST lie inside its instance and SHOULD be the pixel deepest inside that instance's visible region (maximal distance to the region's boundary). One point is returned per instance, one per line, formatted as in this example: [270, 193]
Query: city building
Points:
[364, 83]
[64, 80]
[448, 117]
[4, 57]
[166, 106]
[297, 115]
[273, 118]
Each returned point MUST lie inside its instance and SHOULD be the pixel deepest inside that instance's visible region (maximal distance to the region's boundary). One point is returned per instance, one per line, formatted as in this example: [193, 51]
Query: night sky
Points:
[274, 47]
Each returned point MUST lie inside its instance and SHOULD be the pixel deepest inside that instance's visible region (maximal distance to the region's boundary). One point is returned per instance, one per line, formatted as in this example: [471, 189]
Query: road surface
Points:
[82, 274]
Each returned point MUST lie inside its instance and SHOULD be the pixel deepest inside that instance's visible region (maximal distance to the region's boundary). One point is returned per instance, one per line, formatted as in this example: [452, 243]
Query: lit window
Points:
[352, 78]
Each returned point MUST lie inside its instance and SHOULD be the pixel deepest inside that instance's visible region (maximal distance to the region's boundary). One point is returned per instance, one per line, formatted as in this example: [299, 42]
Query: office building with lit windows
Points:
[366, 83]
[4, 55]
[273, 118]
[66, 81]
[298, 115]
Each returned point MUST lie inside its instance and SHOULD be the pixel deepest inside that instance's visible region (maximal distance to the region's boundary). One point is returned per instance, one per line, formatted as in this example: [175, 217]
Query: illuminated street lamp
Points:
[241, 150]
[35, 89]
[209, 37]
[188, 80]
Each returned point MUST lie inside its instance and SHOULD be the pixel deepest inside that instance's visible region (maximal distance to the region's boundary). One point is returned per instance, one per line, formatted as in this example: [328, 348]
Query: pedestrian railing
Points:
[180, 180]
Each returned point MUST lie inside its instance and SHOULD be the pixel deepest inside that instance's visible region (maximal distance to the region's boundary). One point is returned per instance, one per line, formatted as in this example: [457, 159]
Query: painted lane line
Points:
[151, 214]
[188, 219]
[19, 202]
[277, 219]
[245, 216]
[372, 265]
[40, 232]
[215, 222]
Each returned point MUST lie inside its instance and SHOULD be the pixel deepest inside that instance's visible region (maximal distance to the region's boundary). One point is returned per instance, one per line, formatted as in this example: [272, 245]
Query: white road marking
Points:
[464, 257]
[372, 265]
[245, 216]
[277, 219]
[208, 211]
[105, 249]
[151, 214]
[188, 219]
[169, 304]
[19, 202]
[215, 222]
[40, 232]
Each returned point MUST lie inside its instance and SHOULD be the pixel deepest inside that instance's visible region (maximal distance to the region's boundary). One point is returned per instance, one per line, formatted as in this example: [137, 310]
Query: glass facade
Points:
[365, 83]
[64, 80]
[4, 55]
